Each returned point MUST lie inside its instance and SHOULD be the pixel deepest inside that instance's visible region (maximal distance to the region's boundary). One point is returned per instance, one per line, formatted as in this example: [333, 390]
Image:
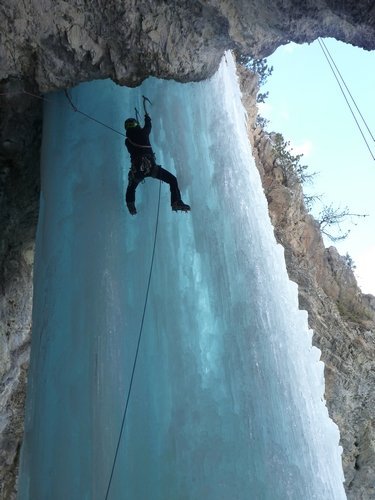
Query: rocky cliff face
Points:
[55, 44]
[343, 319]
[47, 45]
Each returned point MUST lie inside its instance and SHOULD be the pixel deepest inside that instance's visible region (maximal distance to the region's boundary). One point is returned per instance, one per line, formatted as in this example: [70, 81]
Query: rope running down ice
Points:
[75, 109]
[144, 307]
[137, 350]
[90, 117]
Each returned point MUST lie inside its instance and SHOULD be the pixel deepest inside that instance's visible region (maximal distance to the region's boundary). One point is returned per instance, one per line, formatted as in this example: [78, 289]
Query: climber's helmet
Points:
[130, 123]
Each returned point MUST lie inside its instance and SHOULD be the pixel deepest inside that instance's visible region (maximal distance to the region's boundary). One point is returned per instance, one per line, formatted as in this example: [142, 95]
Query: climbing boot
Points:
[180, 206]
[131, 208]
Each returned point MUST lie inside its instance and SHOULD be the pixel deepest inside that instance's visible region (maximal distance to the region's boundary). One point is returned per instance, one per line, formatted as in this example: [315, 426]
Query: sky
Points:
[306, 105]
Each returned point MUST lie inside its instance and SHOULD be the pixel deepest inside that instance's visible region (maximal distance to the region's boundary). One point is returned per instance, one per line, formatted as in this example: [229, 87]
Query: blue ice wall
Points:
[227, 401]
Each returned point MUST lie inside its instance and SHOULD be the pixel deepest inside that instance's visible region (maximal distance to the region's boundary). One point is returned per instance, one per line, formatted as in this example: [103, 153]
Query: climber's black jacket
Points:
[138, 142]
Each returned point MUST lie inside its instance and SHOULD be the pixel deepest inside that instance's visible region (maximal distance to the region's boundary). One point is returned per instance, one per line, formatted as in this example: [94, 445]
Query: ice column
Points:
[227, 401]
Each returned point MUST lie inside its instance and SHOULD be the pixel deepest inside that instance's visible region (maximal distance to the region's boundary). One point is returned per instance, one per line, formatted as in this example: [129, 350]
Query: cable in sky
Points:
[321, 41]
[328, 57]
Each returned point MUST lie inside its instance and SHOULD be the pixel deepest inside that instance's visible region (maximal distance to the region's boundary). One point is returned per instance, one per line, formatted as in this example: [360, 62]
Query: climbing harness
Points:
[138, 145]
[145, 168]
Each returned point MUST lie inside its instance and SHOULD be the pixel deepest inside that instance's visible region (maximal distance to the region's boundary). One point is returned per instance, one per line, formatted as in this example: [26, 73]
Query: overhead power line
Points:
[337, 75]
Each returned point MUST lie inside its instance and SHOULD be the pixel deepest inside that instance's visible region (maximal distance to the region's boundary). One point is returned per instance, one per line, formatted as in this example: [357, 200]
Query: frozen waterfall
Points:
[227, 401]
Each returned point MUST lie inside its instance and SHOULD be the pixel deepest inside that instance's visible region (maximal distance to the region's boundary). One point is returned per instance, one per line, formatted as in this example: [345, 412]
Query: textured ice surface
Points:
[227, 401]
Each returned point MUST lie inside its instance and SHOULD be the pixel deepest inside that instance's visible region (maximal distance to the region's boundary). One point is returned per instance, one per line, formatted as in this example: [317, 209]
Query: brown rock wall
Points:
[343, 319]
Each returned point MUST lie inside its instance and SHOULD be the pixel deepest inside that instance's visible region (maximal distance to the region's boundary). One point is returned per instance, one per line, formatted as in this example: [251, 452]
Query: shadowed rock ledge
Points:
[51, 45]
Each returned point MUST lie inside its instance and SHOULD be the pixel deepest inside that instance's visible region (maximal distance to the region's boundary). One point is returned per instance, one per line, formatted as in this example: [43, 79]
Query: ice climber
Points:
[143, 165]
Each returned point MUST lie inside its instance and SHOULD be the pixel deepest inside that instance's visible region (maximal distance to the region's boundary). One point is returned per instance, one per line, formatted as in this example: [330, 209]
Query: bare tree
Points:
[331, 218]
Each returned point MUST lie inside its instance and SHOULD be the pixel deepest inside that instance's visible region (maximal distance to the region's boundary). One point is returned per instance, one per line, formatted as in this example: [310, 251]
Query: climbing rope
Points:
[43, 98]
[333, 66]
[90, 117]
[75, 109]
[10, 94]
[137, 349]
[145, 303]
[146, 297]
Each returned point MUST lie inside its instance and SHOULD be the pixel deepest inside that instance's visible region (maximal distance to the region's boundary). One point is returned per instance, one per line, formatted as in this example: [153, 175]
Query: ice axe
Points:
[144, 107]
[144, 103]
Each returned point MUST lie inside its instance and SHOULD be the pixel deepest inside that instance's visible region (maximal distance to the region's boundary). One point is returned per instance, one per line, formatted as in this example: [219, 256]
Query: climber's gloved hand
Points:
[131, 208]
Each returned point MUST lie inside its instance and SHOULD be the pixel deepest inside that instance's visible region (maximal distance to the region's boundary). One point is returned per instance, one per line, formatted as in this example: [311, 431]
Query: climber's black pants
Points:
[158, 172]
